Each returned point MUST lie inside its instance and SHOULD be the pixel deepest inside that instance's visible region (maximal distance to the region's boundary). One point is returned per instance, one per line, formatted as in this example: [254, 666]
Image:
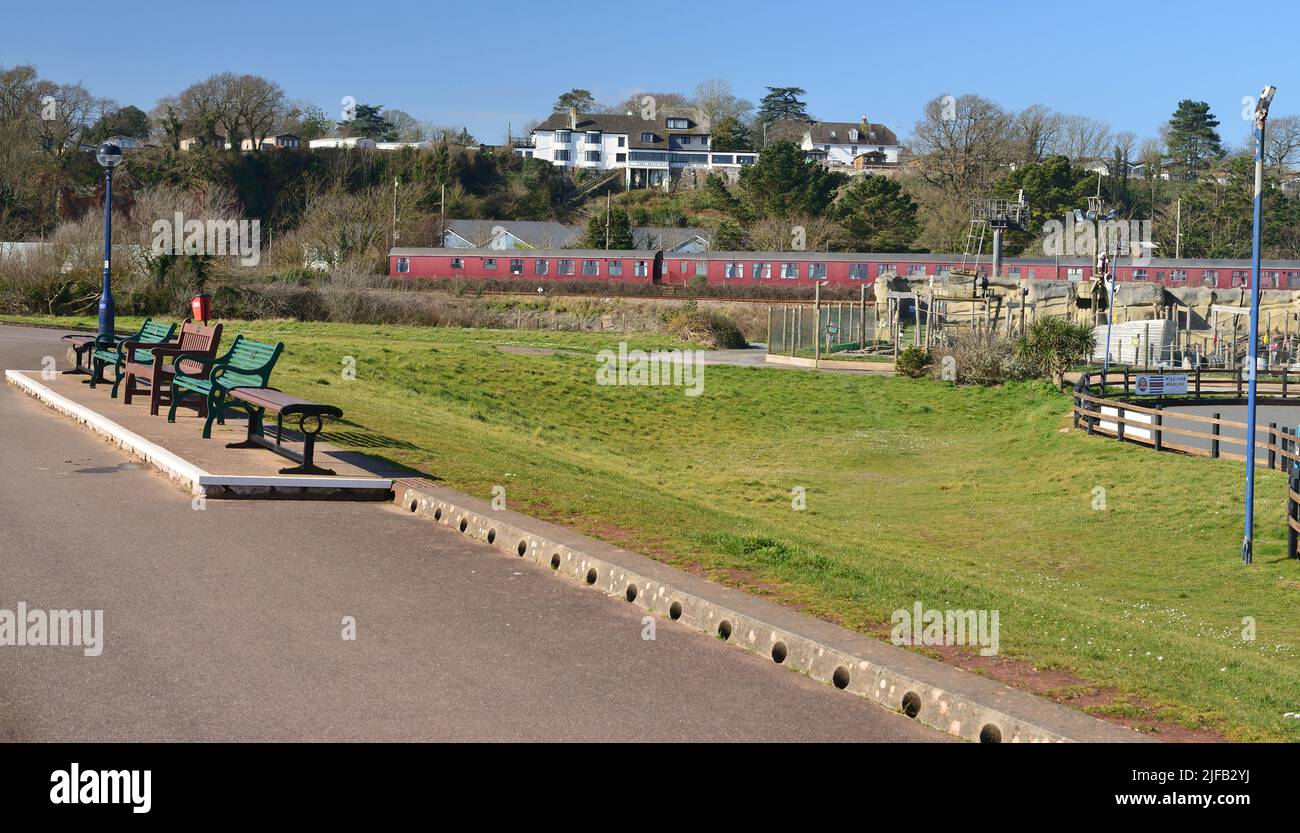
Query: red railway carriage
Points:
[640, 266]
[806, 268]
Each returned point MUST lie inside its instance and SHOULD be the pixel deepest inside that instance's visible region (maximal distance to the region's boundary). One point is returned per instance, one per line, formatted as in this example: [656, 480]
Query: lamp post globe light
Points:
[110, 156]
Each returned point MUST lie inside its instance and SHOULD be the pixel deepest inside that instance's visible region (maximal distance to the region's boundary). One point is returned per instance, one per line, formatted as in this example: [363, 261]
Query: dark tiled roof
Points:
[632, 125]
[872, 134]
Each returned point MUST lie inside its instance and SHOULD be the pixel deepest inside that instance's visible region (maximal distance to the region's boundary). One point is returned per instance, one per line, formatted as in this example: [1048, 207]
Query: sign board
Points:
[1161, 384]
[831, 329]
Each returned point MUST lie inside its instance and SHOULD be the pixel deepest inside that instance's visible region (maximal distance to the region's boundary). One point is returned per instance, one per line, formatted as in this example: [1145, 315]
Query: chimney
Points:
[573, 118]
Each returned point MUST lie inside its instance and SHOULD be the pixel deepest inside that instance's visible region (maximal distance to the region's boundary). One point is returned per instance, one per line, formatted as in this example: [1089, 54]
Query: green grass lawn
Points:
[916, 490]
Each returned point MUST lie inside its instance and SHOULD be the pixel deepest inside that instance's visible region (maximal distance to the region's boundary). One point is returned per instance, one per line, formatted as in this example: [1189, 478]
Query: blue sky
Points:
[487, 64]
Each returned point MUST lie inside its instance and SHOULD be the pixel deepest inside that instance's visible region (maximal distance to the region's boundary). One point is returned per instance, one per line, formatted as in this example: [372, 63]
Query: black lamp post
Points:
[110, 156]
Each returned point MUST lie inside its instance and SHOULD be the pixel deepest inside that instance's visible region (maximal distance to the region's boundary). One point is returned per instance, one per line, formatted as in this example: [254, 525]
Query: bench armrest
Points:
[206, 361]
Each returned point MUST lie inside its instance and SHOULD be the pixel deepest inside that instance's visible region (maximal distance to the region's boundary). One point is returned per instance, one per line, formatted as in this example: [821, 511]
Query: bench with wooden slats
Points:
[247, 364]
[159, 369]
[311, 418]
[109, 351]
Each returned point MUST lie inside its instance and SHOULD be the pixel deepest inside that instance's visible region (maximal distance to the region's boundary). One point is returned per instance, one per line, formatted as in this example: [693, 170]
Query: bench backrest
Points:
[195, 338]
[249, 363]
[156, 331]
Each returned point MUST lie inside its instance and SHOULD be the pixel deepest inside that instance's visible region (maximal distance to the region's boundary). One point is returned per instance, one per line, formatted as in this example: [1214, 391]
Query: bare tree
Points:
[1083, 139]
[67, 110]
[255, 106]
[205, 108]
[715, 100]
[962, 143]
[1281, 144]
[1035, 131]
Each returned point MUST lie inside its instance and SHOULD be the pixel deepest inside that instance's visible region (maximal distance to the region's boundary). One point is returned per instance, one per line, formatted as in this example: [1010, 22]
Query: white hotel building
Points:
[650, 152]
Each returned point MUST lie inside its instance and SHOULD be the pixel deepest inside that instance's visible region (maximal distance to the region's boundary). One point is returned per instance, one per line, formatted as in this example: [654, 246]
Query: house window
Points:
[516, 266]
[1141, 275]
[541, 266]
[640, 269]
[489, 263]
[817, 270]
[593, 137]
[620, 157]
[722, 159]
[789, 270]
[745, 160]
[678, 124]
[592, 156]
[561, 137]
[853, 136]
[884, 269]
[760, 270]
[622, 141]
[648, 138]
[403, 265]
[614, 268]
[857, 271]
[591, 267]
[566, 267]
[734, 270]
[562, 155]
[457, 263]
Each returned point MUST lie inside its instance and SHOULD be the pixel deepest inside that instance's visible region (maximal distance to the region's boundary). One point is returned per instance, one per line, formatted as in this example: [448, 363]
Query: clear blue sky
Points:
[486, 64]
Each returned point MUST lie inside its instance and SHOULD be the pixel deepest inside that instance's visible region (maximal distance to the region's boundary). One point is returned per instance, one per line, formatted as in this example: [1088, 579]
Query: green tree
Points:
[369, 122]
[718, 197]
[729, 237]
[730, 133]
[783, 103]
[618, 232]
[878, 215]
[1053, 187]
[125, 121]
[783, 182]
[582, 100]
[1193, 141]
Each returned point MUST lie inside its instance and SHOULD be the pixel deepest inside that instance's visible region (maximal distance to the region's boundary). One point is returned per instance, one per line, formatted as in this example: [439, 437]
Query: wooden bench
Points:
[117, 353]
[311, 418]
[159, 370]
[247, 364]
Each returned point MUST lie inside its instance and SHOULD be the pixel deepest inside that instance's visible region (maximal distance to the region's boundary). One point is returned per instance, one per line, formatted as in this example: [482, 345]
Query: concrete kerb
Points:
[946, 698]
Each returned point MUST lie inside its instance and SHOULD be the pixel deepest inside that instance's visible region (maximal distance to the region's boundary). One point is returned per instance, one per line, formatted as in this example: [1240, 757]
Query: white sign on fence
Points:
[1161, 384]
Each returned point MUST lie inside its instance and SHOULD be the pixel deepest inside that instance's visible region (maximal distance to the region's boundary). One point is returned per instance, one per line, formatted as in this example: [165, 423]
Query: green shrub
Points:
[914, 362]
[1052, 345]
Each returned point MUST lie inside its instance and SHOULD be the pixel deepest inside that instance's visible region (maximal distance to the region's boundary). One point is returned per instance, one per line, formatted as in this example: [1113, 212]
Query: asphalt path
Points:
[225, 621]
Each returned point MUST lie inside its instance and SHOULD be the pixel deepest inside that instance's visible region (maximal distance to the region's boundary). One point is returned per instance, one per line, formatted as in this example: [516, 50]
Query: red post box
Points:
[201, 307]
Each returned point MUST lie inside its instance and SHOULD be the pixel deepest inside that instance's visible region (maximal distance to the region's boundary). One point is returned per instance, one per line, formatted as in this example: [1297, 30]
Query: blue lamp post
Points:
[1261, 116]
[110, 156]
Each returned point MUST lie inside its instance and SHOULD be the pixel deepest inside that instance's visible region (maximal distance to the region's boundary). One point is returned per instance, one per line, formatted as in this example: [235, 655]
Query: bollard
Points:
[1157, 420]
[1272, 453]
[1214, 442]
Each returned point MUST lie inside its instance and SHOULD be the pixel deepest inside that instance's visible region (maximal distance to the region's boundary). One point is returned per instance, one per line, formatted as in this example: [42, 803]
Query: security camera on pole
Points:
[1261, 116]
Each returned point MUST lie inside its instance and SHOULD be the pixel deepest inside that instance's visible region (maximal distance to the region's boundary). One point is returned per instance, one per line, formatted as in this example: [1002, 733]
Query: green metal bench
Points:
[247, 364]
[109, 350]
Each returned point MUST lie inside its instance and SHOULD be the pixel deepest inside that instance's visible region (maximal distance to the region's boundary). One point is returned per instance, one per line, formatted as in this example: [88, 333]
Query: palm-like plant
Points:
[1053, 344]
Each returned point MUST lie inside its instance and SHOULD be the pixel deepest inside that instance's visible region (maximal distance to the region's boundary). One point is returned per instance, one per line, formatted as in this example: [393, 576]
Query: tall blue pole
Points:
[106, 307]
[1248, 540]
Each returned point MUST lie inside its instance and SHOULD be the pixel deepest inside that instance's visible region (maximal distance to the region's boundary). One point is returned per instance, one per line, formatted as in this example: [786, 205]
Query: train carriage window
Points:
[916, 269]
[1141, 275]
[884, 269]
[789, 270]
[817, 270]
[1031, 274]
[489, 263]
[640, 269]
[457, 263]
[686, 267]
[1178, 275]
[701, 268]
[1209, 277]
[403, 265]
[857, 271]
[1292, 280]
[1239, 278]
[1074, 273]
[566, 267]
[614, 268]
[758, 271]
[1160, 277]
[734, 270]
[1013, 271]
[516, 266]
[541, 266]
[591, 267]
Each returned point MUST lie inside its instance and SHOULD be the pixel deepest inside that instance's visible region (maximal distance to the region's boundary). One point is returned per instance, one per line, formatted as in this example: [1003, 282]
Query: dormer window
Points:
[648, 137]
[853, 135]
[833, 136]
[678, 124]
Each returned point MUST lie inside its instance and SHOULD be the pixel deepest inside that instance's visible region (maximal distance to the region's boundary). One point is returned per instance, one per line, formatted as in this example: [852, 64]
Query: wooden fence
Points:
[1104, 404]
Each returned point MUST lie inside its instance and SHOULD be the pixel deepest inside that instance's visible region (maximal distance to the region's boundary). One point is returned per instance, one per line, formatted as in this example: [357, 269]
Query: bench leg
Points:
[128, 388]
[308, 451]
[177, 397]
[117, 380]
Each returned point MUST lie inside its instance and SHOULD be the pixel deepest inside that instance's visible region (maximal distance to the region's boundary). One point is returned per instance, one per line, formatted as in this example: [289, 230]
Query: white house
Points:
[648, 151]
[840, 143]
[359, 142]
